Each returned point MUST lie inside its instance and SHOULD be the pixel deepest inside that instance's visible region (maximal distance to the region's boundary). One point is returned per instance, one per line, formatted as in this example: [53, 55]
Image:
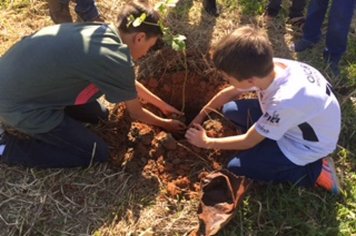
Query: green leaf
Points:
[178, 43]
[161, 7]
[130, 19]
[171, 3]
[139, 20]
[180, 37]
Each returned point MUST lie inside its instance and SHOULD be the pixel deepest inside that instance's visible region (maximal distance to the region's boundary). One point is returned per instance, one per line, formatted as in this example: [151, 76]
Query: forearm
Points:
[150, 118]
[198, 137]
[219, 100]
[148, 96]
[237, 142]
[136, 111]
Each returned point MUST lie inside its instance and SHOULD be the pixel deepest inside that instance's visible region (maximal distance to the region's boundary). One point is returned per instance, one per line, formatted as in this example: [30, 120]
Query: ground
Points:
[151, 184]
[169, 157]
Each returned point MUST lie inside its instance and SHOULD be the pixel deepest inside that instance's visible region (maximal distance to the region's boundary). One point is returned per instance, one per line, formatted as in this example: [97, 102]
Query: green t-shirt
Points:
[62, 65]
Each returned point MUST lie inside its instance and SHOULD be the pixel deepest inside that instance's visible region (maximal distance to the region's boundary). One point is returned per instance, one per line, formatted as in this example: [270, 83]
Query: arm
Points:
[222, 97]
[197, 136]
[136, 111]
[149, 97]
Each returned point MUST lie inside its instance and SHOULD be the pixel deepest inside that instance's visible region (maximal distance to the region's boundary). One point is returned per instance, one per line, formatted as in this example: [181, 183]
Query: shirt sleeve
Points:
[278, 119]
[115, 77]
[118, 84]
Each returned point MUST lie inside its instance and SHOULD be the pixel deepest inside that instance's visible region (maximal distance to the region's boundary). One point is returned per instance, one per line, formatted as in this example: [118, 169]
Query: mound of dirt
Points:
[154, 153]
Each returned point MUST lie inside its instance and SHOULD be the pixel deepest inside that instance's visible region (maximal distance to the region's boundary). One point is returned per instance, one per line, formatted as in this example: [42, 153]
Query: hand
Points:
[168, 110]
[174, 126]
[197, 120]
[196, 135]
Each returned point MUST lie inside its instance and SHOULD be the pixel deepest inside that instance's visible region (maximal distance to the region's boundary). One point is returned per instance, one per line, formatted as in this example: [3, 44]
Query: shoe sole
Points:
[336, 188]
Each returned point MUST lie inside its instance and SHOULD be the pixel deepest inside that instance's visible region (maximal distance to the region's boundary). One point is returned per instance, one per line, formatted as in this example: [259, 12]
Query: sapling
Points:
[176, 41]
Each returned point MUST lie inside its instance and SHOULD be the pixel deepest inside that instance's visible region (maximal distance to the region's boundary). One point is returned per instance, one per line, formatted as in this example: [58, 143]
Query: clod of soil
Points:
[156, 153]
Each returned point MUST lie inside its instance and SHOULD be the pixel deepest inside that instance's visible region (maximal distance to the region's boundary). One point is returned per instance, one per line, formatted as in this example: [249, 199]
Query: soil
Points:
[154, 153]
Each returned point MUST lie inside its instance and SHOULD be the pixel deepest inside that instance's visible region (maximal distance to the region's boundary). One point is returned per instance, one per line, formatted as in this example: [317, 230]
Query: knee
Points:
[104, 115]
[234, 166]
[100, 112]
[229, 109]
[100, 152]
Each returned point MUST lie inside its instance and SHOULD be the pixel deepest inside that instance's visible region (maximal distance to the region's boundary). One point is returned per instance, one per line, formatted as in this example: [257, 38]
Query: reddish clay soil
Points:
[141, 148]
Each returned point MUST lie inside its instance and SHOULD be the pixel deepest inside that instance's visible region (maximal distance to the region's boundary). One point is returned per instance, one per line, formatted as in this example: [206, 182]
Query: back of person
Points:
[50, 69]
[50, 82]
[301, 98]
[289, 130]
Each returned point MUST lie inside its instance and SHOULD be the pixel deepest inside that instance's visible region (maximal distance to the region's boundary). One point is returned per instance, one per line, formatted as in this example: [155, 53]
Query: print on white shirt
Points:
[300, 112]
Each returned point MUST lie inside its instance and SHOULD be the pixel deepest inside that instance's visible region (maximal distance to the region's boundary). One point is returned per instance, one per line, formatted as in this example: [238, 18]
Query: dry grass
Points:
[101, 200]
[60, 202]
[106, 201]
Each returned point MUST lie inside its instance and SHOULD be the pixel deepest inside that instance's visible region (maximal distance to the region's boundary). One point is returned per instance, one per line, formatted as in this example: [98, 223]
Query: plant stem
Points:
[185, 80]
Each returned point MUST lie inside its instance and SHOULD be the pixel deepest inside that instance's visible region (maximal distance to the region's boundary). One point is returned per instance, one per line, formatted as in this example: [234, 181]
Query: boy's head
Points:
[139, 38]
[244, 53]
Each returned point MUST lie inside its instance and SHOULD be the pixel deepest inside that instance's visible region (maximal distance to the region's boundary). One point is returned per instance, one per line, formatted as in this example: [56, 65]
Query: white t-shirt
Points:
[300, 112]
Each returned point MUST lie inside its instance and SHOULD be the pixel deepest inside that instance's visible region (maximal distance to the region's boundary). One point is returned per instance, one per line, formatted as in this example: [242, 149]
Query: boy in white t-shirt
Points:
[294, 123]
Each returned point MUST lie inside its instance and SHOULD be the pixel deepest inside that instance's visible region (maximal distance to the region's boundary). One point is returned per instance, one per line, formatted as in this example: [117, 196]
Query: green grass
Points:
[103, 201]
[285, 210]
[251, 8]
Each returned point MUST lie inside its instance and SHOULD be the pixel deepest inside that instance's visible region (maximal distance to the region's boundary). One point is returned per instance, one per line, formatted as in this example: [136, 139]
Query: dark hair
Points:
[136, 8]
[244, 53]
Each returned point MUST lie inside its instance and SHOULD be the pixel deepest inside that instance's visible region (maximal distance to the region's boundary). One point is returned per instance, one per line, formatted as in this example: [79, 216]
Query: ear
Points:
[140, 37]
[251, 80]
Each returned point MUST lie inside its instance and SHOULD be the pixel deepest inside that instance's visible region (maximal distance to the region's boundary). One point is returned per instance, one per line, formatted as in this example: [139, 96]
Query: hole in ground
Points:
[146, 151]
[198, 91]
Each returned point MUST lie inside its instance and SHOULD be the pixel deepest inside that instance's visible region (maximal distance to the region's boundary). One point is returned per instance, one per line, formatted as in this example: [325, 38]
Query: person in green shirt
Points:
[50, 82]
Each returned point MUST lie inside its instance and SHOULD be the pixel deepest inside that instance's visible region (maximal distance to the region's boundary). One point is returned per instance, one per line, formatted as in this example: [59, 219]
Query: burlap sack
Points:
[222, 192]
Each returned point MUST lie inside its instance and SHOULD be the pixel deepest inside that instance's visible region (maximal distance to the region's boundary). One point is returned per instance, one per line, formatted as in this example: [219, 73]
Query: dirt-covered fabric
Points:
[222, 192]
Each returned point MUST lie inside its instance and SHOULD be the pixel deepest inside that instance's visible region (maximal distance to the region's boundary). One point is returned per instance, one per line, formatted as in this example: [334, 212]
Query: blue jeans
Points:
[265, 161]
[70, 144]
[86, 9]
[338, 25]
[296, 9]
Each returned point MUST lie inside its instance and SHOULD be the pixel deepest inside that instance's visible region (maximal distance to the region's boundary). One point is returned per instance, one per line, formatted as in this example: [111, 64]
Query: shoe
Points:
[271, 13]
[210, 7]
[335, 69]
[327, 178]
[332, 61]
[297, 22]
[59, 12]
[268, 17]
[99, 19]
[302, 45]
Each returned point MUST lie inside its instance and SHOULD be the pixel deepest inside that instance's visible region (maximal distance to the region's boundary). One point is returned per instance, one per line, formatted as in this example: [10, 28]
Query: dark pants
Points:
[70, 144]
[86, 9]
[339, 22]
[265, 161]
[295, 10]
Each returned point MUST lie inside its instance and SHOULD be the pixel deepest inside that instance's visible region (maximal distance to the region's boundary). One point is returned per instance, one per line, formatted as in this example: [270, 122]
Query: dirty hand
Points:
[168, 110]
[174, 126]
[196, 135]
